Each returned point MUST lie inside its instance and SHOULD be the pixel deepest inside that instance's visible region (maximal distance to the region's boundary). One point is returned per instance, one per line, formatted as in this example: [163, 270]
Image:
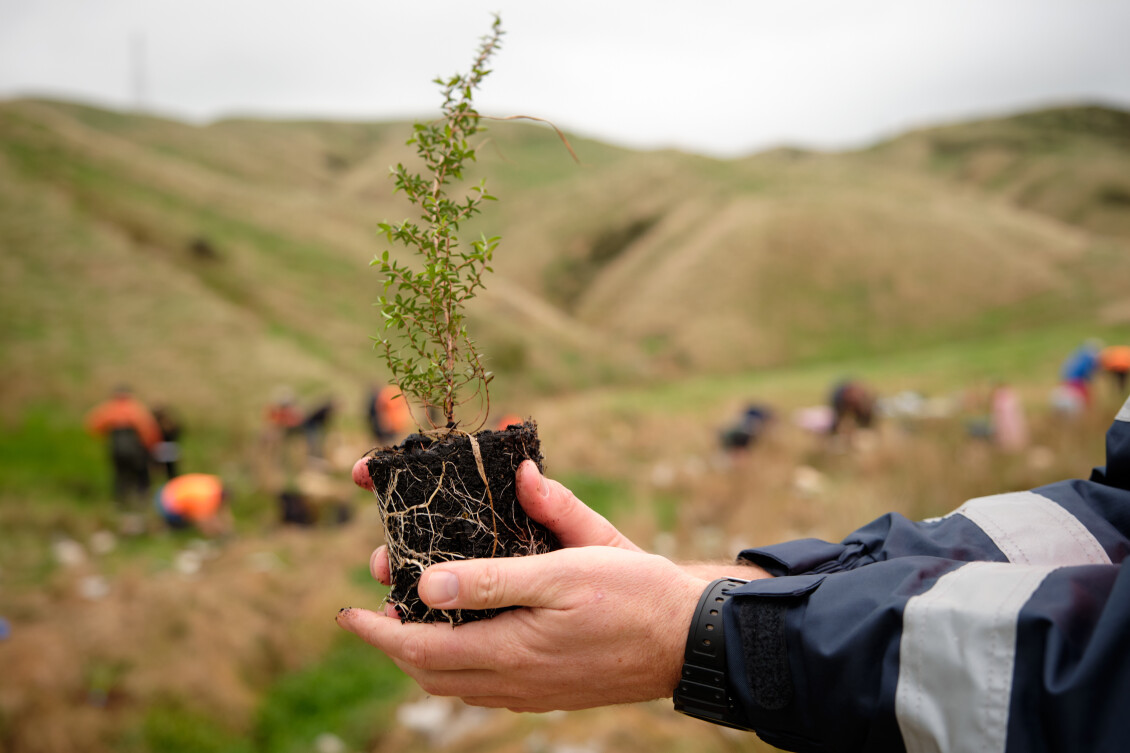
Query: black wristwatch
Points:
[703, 691]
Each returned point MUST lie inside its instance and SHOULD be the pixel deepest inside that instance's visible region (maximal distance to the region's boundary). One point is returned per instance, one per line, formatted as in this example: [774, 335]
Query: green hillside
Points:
[209, 264]
[787, 255]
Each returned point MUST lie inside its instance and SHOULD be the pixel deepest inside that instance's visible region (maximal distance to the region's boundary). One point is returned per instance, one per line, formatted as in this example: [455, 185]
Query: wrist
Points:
[713, 570]
[668, 637]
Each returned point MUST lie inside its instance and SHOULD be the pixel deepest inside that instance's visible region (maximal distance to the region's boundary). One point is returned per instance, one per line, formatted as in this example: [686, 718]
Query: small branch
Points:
[559, 132]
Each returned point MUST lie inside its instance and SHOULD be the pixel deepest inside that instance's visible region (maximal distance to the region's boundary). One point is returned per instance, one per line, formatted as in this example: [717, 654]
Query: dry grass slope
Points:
[163, 235]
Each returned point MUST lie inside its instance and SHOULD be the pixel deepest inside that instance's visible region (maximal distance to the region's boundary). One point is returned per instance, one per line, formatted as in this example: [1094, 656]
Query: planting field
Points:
[642, 301]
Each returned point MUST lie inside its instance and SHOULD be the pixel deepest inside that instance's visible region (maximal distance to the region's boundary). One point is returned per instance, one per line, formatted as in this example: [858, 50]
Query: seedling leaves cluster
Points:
[424, 339]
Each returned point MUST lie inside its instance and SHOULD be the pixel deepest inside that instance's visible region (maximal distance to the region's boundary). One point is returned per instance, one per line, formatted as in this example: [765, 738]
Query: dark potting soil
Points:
[436, 508]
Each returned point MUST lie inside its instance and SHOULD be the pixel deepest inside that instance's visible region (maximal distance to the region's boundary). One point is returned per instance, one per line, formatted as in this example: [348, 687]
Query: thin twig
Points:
[559, 132]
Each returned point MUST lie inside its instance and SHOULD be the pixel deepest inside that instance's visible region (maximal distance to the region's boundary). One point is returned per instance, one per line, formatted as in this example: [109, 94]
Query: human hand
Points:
[600, 625]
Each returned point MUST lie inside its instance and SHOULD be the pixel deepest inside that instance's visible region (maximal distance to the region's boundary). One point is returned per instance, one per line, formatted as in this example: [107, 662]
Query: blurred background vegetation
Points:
[641, 301]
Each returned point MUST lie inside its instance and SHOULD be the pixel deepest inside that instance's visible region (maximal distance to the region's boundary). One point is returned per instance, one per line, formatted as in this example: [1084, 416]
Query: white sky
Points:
[721, 77]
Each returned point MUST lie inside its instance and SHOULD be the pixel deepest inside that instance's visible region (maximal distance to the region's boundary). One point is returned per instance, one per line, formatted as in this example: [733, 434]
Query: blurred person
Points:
[1009, 426]
[1079, 369]
[195, 500]
[853, 406]
[749, 428]
[999, 627]
[1115, 361]
[375, 420]
[131, 433]
[295, 509]
[315, 426]
[282, 415]
[167, 452]
[281, 419]
[396, 417]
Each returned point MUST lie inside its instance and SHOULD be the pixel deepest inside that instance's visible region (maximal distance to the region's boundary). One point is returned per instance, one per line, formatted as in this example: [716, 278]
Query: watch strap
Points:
[703, 689]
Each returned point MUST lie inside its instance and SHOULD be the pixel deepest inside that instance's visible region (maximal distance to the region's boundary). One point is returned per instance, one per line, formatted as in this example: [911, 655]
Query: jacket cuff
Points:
[796, 557]
[758, 658]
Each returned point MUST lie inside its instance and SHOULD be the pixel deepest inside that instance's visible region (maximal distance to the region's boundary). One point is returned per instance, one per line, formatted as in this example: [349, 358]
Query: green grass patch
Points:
[609, 497]
[171, 729]
[665, 508]
[361, 577]
[48, 453]
[350, 692]
[54, 482]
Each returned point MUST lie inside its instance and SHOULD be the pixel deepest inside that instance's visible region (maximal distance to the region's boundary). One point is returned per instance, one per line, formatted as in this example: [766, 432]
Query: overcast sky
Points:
[718, 77]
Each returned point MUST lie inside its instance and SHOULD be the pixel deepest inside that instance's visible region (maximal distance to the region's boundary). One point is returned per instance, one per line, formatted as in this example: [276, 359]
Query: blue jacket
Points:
[1081, 365]
[1003, 626]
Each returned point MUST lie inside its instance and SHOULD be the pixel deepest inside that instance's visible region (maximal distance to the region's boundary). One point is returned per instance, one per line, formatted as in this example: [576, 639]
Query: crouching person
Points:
[196, 500]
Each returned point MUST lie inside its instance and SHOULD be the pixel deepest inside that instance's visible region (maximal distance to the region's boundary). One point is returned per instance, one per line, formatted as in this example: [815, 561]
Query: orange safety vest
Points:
[124, 413]
[508, 420]
[1115, 358]
[394, 410]
[193, 496]
[284, 416]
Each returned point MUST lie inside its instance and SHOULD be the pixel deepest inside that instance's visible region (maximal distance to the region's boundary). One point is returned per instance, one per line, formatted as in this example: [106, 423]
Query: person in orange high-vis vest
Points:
[508, 420]
[195, 499]
[396, 417]
[131, 433]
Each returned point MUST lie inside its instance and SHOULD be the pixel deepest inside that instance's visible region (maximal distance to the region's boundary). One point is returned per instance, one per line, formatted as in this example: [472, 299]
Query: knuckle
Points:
[414, 651]
[488, 586]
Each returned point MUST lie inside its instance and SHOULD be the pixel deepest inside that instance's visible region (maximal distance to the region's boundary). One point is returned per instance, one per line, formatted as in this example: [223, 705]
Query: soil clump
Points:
[453, 497]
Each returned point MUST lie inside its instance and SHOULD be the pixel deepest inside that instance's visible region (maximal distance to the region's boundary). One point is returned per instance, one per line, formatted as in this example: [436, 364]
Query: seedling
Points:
[446, 493]
[425, 341]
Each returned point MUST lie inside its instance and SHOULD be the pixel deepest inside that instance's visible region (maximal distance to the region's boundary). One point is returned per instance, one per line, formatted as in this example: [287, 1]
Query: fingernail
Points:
[341, 612]
[543, 487]
[441, 588]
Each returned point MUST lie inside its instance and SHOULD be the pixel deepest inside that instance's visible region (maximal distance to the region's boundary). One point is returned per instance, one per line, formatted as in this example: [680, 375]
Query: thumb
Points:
[558, 509]
[530, 581]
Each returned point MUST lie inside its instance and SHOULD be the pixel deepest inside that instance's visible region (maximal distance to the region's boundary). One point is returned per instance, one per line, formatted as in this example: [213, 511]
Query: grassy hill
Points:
[791, 255]
[1067, 163]
[639, 300]
[207, 265]
[214, 262]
